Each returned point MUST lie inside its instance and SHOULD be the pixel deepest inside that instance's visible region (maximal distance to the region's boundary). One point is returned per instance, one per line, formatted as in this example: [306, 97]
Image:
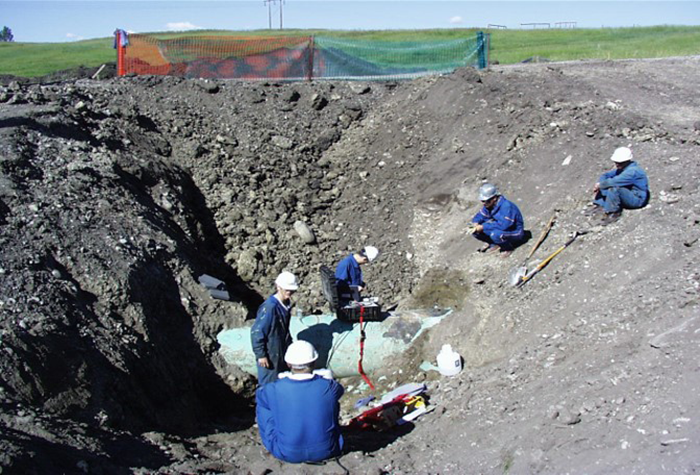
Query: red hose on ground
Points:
[362, 350]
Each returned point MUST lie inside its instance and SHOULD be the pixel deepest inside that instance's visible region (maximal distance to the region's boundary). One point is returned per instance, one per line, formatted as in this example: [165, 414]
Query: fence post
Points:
[481, 47]
[119, 45]
[312, 47]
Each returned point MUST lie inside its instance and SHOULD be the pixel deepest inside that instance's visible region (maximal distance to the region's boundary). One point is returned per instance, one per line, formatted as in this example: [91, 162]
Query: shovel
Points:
[521, 278]
[517, 274]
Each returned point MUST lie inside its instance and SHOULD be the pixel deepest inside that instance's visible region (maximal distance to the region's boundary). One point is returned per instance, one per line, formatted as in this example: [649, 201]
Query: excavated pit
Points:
[118, 195]
[124, 193]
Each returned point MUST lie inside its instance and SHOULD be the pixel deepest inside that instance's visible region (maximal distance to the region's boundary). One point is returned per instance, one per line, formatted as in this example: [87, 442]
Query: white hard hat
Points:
[621, 155]
[300, 353]
[287, 281]
[487, 191]
[371, 252]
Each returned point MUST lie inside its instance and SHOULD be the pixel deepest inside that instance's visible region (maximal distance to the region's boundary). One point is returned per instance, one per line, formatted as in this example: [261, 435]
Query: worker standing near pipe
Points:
[269, 334]
[625, 186]
[499, 223]
[298, 414]
[348, 273]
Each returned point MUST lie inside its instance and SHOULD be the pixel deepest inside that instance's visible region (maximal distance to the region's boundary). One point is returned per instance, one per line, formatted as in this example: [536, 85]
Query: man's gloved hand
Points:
[471, 228]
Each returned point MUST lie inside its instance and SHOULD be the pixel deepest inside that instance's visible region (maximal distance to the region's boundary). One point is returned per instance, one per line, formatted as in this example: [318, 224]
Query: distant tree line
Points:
[6, 34]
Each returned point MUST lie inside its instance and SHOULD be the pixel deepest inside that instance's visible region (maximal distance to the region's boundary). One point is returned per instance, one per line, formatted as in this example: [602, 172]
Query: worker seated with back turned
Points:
[499, 223]
[298, 414]
[348, 273]
[625, 186]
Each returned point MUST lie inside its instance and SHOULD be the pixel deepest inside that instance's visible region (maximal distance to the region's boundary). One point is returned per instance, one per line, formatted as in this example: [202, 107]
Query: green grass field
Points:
[506, 46]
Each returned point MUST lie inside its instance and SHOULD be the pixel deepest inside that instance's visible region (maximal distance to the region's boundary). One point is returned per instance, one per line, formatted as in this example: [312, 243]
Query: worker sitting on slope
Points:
[625, 186]
[298, 414]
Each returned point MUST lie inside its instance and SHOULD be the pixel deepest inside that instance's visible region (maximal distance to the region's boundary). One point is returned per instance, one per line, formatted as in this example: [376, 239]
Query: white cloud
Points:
[181, 26]
[73, 36]
[456, 19]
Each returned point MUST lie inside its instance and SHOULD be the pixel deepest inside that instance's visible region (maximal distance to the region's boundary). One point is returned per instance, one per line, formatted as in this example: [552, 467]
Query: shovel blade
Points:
[516, 275]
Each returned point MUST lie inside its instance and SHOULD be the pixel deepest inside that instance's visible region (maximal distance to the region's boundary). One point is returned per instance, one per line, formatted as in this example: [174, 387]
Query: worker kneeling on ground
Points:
[499, 223]
[348, 273]
[298, 414]
[625, 186]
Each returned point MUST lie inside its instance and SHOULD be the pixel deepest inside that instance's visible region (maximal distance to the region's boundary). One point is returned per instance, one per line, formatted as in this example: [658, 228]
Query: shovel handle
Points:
[554, 254]
[547, 260]
[542, 236]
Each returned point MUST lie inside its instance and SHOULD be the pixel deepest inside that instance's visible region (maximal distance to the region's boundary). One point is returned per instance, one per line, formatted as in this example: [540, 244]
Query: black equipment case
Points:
[348, 310]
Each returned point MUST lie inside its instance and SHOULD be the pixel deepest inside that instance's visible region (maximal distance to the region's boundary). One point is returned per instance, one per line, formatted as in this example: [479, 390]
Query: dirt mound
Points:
[117, 195]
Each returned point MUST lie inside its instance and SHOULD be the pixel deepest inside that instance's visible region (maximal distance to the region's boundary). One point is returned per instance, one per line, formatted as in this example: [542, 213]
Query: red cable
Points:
[362, 349]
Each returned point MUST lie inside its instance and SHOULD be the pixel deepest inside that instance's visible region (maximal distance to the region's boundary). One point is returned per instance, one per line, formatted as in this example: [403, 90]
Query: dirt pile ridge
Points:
[117, 194]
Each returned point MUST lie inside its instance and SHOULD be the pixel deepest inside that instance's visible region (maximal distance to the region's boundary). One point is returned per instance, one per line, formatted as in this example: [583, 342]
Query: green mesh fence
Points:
[352, 59]
[294, 58]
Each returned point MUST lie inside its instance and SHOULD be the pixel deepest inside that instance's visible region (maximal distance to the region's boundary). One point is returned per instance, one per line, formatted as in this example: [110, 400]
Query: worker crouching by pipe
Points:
[298, 414]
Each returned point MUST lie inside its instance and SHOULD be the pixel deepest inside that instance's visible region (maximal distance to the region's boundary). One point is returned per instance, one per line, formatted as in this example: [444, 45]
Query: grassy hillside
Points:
[604, 43]
[507, 46]
[38, 59]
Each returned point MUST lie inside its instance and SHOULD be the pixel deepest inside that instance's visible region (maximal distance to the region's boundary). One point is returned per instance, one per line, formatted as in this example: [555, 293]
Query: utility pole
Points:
[269, 4]
[269, 13]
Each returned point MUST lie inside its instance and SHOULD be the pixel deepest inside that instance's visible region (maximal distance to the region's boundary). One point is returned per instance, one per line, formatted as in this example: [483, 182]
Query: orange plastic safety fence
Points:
[219, 56]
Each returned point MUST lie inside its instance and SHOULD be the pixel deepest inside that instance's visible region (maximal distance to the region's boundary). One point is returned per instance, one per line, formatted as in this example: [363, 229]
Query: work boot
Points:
[610, 218]
[593, 210]
[506, 254]
[493, 248]
[487, 248]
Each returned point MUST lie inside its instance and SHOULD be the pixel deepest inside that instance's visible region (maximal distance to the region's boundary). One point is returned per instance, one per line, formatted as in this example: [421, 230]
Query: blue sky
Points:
[72, 20]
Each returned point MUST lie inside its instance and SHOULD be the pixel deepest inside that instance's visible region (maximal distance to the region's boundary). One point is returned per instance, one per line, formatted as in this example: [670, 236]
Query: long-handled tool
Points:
[519, 272]
[543, 235]
[543, 264]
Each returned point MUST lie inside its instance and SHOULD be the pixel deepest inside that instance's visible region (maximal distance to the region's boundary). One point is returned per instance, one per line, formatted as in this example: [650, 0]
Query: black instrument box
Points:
[348, 310]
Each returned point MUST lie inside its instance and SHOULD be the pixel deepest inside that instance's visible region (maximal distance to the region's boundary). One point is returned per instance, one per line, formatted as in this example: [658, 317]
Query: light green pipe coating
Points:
[338, 343]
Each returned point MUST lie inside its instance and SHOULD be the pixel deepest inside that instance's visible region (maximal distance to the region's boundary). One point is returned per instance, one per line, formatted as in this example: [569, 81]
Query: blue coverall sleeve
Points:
[479, 217]
[338, 390]
[348, 272]
[342, 271]
[265, 418]
[357, 277]
[503, 220]
[629, 176]
[606, 175]
[260, 330]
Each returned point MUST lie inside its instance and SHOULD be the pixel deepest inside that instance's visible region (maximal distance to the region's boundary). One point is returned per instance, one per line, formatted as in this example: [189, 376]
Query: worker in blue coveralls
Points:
[348, 273]
[270, 335]
[625, 186]
[298, 414]
[499, 223]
